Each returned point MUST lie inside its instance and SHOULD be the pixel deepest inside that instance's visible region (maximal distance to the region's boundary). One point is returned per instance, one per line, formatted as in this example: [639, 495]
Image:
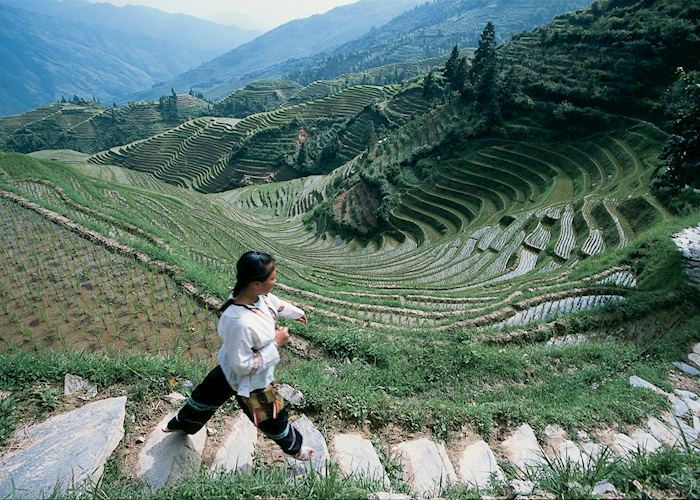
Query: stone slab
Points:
[662, 432]
[356, 456]
[686, 394]
[646, 441]
[640, 382]
[384, 495]
[167, 458]
[681, 428]
[522, 448]
[314, 439]
[290, 394]
[236, 452]
[680, 408]
[66, 449]
[687, 369]
[695, 359]
[592, 452]
[478, 464]
[426, 466]
[603, 488]
[623, 445]
[78, 386]
[696, 348]
[570, 452]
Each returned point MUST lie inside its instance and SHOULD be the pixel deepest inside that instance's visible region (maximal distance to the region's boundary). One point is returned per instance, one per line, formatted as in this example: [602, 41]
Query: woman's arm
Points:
[286, 309]
[238, 342]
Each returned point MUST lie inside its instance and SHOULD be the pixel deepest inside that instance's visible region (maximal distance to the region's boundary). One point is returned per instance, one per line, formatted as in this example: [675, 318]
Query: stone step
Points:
[680, 408]
[426, 466]
[559, 448]
[672, 431]
[625, 446]
[357, 457]
[478, 465]
[522, 449]
[313, 439]
[687, 369]
[236, 453]
[65, 450]
[695, 359]
[646, 441]
[168, 457]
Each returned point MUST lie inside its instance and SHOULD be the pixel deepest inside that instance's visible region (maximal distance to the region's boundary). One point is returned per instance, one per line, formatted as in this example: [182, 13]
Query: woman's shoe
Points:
[172, 426]
[305, 454]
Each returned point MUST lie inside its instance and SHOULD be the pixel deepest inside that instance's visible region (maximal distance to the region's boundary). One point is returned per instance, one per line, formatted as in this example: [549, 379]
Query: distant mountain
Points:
[426, 31]
[192, 35]
[235, 18]
[43, 58]
[300, 38]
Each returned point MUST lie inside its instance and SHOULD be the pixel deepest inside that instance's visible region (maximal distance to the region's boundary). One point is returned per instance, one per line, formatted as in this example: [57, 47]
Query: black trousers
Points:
[213, 392]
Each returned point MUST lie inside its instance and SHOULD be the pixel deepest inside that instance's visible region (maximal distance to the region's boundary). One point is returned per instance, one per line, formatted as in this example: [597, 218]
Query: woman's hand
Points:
[281, 336]
[303, 320]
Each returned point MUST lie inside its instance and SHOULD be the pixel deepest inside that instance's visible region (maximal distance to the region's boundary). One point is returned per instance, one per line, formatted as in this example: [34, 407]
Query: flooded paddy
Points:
[59, 291]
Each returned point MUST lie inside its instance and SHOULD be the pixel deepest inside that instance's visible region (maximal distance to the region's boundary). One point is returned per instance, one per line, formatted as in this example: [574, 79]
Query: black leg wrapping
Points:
[279, 429]
[206, 398]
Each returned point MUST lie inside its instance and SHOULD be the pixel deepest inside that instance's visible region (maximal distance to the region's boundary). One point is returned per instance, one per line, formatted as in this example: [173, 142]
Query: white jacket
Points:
[249, 354]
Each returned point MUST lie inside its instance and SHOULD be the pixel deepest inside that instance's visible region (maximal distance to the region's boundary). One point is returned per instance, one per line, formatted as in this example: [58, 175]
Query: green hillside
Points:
[542, 98]
[479, 252]
[430, 30]
[89, 127]
[214, 154]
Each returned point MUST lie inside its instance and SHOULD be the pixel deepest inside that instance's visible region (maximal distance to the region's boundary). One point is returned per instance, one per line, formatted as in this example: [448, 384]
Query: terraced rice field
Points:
[200, 154]
[502, 230]
[60, 291]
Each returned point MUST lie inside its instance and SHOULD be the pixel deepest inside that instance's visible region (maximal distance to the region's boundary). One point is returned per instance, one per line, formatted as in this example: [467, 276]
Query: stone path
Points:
[688, 241]
[74, 447]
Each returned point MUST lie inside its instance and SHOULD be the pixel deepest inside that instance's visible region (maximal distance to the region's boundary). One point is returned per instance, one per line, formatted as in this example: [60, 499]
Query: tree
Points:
[483, 75]
[681, 155]
[370, 135]
[451, 65]
[431, 89]
[461, 75]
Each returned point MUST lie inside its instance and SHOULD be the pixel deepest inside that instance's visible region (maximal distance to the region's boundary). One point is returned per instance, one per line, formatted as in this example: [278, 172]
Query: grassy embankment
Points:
[424, 381]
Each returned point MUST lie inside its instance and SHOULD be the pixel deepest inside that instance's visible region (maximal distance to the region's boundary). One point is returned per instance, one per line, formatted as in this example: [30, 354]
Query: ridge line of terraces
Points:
[437, 315]
[99, 157]
[542, 283]
[94, 213]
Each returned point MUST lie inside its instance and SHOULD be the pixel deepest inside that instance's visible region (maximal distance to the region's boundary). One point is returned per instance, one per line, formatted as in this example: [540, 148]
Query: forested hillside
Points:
[582, 74]
[430, 30]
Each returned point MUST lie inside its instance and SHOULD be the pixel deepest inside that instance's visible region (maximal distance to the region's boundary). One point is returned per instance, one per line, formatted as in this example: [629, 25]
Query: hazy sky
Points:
[267, 13]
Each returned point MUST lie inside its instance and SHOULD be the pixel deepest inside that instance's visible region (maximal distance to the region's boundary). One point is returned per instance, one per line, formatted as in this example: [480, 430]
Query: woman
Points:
[247, 359]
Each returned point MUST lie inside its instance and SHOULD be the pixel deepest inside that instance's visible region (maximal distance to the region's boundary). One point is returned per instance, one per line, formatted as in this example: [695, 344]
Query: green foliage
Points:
[681, 155]
[8, 418]
[451, 67]
[669, 470]
[484, 76]
[625, 51]
[431, 88]
[167, 105]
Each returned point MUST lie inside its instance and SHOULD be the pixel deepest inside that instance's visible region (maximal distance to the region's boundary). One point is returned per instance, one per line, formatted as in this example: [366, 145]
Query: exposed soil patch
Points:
[357, 206]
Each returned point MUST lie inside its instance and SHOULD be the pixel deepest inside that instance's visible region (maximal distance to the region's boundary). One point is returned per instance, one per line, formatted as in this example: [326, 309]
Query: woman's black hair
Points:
[251, 266]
